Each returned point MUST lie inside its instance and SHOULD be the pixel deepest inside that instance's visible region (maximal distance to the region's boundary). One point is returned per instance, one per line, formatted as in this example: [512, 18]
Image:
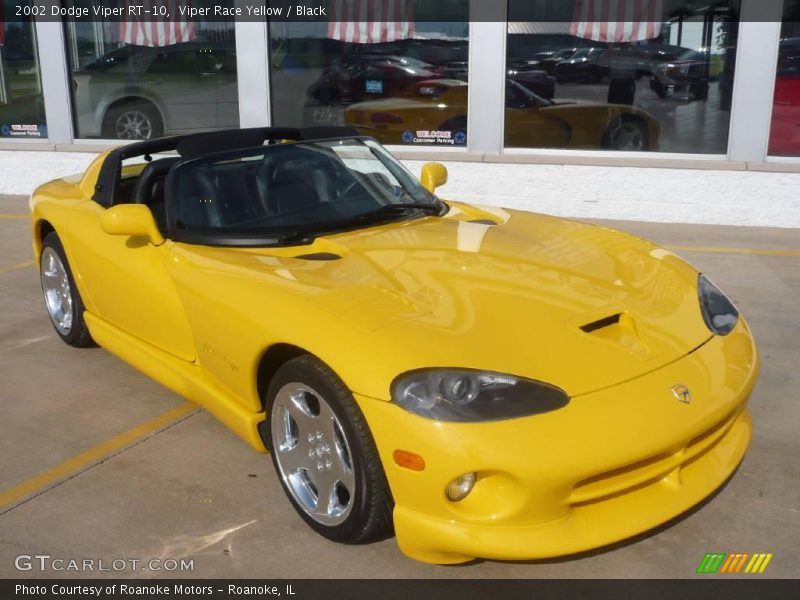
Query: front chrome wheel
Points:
[626, 135]
[312, 453]
[57, 291]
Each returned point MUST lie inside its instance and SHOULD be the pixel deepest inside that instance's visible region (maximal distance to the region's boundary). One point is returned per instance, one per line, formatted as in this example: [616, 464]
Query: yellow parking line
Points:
[95, 455]
[723, 250]
[14, 216]
[22, 265]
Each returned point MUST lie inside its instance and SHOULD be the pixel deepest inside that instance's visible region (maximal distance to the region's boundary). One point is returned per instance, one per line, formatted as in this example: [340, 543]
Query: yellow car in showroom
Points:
[484, 382]
[530, 119]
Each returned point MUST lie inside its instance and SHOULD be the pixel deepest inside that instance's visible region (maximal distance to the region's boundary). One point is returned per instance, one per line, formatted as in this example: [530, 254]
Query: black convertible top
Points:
[201, 144]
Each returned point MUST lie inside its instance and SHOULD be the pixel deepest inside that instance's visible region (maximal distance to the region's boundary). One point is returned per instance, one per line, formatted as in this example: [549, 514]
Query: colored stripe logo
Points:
[736, 562]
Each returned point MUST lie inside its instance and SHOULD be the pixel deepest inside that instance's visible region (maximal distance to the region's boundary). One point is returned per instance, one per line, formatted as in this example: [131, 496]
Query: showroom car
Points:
[366, 76]
[637, 60]
[479, 381]
[139, 92]
[577, 67]
[524, 73]
[551, 123]
[687, 75]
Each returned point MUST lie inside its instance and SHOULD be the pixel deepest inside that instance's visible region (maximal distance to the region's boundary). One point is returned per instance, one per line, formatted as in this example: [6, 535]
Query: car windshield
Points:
[287, 193]
[520, 92]
[113, 58]
[691, 55]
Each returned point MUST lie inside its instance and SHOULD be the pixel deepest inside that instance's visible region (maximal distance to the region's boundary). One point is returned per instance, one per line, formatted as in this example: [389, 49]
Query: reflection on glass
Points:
[322, 72]
[135, 80]
[785, 134]
[21, 100]
[659, 79]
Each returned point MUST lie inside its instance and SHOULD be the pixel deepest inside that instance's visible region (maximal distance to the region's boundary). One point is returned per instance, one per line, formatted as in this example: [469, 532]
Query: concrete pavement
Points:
[187, 488]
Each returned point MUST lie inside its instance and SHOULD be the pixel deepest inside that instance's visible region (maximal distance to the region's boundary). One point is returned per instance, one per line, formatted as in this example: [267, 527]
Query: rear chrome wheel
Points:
[313, 455]
[61, 297]
[57, 292]
[324, 454]
[133, 120]
[133, 125]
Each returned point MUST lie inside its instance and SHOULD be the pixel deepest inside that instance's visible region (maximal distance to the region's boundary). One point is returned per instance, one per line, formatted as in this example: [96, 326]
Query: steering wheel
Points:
[349, 188]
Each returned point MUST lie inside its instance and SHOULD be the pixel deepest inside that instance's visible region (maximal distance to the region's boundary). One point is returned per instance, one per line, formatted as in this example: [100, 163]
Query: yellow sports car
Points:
[483, 382]
[435, 112]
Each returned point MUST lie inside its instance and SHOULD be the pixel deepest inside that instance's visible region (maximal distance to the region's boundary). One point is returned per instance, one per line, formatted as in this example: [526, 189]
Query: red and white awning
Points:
[157, 32]
[617, 20]
[370, 21]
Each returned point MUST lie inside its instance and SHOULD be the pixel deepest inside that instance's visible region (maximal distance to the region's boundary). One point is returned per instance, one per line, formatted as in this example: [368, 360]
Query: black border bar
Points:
[309, 11]
[712, 588]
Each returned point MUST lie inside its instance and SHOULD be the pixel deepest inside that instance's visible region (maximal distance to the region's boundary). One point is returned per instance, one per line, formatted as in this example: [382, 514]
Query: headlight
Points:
[719, 313]
[469, 396]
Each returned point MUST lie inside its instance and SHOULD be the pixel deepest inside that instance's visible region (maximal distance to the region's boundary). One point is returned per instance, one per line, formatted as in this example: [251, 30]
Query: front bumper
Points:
[612, 464]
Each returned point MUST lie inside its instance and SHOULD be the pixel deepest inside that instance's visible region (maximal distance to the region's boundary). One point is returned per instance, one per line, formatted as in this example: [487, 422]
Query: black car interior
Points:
[292, 186]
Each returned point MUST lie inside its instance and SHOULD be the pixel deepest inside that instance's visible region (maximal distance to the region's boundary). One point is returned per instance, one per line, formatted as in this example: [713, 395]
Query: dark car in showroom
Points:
[548, 63]
[138, 92]
[524, 73]
[640, 60]
[577, 66]
[687, 75]
[364, 76]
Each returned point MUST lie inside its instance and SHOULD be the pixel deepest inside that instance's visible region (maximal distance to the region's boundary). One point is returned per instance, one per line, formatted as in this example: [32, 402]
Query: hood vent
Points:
[619, 329]
[483, 222]
[601, 323]
[322, 256]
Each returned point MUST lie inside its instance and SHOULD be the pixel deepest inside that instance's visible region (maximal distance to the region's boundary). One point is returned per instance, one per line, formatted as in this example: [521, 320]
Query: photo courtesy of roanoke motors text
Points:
[391, 298]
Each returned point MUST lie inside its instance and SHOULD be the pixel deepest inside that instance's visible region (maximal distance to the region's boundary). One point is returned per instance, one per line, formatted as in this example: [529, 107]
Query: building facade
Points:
[649, 82]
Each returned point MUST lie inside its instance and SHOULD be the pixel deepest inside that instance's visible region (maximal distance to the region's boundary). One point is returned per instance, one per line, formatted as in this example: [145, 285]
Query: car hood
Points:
[576, 305]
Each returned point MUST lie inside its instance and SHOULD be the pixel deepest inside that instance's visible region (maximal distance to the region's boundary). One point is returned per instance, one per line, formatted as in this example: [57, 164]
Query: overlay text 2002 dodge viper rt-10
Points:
[482, 382]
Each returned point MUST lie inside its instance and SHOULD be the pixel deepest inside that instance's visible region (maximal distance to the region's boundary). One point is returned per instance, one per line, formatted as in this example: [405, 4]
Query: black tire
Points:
[78, 333]
[659, 88]
[700, 90]
[328, 97]
[370, 515]
[627, 126]
[121, 121]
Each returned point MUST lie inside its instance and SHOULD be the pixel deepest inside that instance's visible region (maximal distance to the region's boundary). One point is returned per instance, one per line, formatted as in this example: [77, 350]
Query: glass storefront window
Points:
[784, 137]
[142, 80]
[21, 100]
[632, 75]
[402, 82]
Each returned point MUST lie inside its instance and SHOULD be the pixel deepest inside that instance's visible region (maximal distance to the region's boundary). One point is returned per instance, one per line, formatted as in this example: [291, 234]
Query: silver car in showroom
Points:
[137, 92]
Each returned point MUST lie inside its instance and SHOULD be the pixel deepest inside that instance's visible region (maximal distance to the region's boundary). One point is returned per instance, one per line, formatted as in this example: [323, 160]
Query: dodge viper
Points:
[481, 382]
[530, 119]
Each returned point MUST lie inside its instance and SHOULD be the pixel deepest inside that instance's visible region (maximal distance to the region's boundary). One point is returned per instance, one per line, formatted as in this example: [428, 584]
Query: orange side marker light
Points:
[409, 460]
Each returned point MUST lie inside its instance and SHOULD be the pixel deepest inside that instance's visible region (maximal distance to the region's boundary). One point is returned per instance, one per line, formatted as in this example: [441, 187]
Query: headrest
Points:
[142, 193]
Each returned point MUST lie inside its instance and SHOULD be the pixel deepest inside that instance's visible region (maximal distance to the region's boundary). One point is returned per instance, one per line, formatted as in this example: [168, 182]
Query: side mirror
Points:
[433, 175]
[134, 220]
